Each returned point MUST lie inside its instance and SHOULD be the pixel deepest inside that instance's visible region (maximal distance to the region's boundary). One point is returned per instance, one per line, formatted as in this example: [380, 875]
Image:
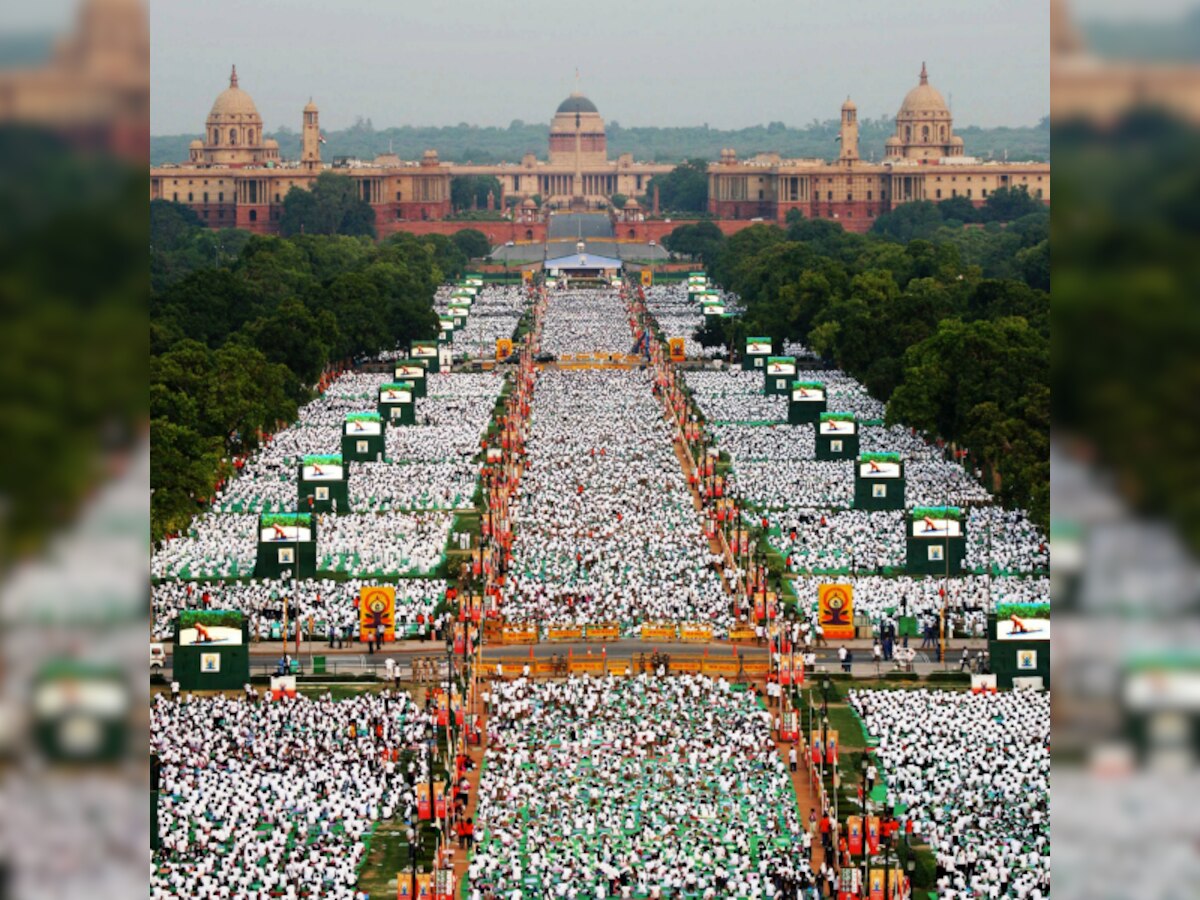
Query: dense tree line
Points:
[948, 329]
[243, 326]
[470, 143]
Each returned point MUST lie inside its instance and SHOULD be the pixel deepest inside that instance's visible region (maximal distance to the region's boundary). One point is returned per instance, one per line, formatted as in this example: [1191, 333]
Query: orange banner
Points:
[377, 613]
[835, 604]
[678, 353]
[504, 348]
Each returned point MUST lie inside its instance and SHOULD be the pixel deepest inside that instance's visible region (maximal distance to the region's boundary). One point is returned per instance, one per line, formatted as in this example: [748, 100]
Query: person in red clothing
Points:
[826, 827]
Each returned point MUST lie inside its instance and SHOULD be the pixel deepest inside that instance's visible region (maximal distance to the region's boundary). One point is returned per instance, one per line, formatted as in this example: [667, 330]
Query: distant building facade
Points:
[577, 172]
[235, 177]
[923, 160]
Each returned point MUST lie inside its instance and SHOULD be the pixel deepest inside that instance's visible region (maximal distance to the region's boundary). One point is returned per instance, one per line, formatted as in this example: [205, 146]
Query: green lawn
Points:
[388, 855]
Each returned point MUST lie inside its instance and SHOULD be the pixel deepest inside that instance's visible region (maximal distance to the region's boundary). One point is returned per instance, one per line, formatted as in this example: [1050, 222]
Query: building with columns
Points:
[235, 178]
[923, 160]
[577, 172]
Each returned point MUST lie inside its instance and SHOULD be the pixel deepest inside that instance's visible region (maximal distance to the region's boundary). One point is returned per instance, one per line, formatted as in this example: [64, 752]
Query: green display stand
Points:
[779, 374]
[363, 437]
[427, 352]
[323, 484]
[757, 351]
[806, 402]
[211, 650]
[397, 404]
[1013, 655]
[879, 482]
[413, 371]
[936, 541]
[318, 665]
[837, 437]
[286, 542]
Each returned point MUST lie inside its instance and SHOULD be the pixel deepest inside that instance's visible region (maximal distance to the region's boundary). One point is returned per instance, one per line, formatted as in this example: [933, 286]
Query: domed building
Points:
[233, 132]
[924, 126]
[236, 178]
[577, 133]
[577, 173]
[923, 160]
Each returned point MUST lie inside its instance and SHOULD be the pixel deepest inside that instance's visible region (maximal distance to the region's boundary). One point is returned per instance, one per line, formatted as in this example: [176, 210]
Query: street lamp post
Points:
[412, 861]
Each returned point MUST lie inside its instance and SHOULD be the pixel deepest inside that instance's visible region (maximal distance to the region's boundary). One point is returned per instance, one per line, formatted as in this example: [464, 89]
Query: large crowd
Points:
[400, 511]
[809, 509]
[329, 605]
[276, 799]
[495, 312]
[972, 772]
[605, 524]
[643, 786]
[678, 315]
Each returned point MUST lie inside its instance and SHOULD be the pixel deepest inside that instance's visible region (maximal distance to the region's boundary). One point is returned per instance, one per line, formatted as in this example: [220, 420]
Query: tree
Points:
[185, 468]
[684, 188]
[700, 241]
[1006, 204]
[472, 242]
[471, 191]
[618, 201]
[918, 219]
[172, 225]
[332, 206]
[294, 336]
[958, 209]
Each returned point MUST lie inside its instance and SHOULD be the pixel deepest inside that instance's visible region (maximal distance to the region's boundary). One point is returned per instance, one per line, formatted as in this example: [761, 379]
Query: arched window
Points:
[250, 135]
[943, 132]
[529, 234]
[632, 234]
[907, 133]
[216, 138]
[254, 215]
[925, 134]
[233, 135]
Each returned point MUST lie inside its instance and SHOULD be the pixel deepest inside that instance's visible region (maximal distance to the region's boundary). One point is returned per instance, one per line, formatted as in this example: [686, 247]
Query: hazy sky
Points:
[653, 62]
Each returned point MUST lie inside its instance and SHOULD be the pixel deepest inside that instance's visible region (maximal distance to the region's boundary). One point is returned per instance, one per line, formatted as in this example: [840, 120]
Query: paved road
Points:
[574, 225]
[264, 655]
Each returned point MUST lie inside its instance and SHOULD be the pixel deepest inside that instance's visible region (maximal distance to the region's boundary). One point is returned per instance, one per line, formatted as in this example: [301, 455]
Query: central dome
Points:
[233, 101]
[577, 103]
[924, 98]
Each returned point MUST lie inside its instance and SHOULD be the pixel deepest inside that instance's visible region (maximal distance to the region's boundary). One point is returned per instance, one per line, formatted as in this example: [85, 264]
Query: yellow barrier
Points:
[518, 634]
[700, 633]
[741, 634]
[658, 632]
[726, 667]
[606, 632]
[564, 634]
[592, 666]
